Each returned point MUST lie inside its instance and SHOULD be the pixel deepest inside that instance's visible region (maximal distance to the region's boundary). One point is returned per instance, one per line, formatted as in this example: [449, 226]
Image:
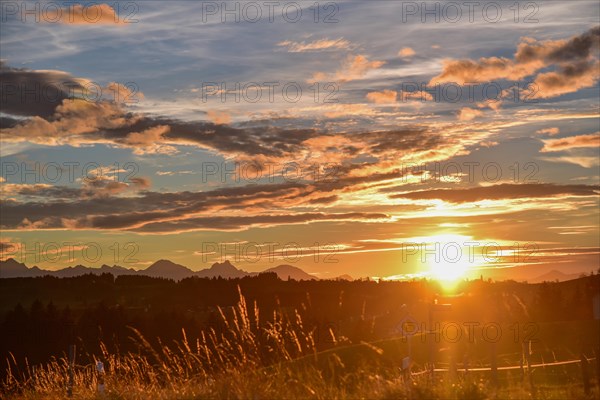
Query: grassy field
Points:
[254, 359]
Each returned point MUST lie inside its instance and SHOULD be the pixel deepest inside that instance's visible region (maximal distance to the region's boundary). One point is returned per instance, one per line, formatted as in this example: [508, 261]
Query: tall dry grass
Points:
[246, 345]
[251, 358]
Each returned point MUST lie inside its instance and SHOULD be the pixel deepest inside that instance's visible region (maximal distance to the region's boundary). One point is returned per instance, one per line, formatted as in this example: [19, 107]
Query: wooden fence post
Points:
[452, 370]
[494, 366]
[430, 344]
[71, 361]
[527, 348]
[598, 367]
[522, 361]
[72, 351]
[585, 374]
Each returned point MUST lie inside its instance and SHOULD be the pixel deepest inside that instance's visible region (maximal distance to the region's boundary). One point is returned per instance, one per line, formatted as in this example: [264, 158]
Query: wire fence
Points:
[526, 368]
[479, 369]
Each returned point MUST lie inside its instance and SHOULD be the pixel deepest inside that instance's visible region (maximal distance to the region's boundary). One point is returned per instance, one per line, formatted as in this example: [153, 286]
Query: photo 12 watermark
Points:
[446, 253]
[67, 172]
[270, 251]
[70, 12]
[269, 11]
[454, 12]
[466, 331]
[269, 92]
[268, 172]
[490, 93]
[34, 92]
[471, 172]
[70, 251]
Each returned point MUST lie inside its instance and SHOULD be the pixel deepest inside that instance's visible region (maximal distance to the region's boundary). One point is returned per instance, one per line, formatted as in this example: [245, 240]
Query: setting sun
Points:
[446, 270]
[447, 257]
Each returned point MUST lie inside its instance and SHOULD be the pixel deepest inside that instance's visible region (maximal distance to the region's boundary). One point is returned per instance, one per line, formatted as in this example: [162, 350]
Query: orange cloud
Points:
[483, 70]
[149, 141]
[420, 95]
[383, 97]
[218, 117]
[548, 131]
[100, 185]
[574, 57]
[572, 142]
[468, 114]
[71, 119]
[76, 14]
[124, 94]
[567, 80]
[406, 52]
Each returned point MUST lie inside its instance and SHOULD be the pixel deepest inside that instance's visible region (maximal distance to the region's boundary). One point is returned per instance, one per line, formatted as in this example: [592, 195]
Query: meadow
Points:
[253, 353]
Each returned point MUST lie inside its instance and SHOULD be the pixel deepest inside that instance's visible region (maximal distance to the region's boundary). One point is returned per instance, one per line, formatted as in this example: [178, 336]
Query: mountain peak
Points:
[168, 269]
[11, 261]
[555, 275]
[11, 268]
[225, 266]
[162, 263]
[285, 272]
[224, 270]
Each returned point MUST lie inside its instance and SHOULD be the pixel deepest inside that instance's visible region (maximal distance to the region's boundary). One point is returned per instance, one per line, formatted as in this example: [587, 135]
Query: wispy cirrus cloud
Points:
[98, 186]
[500, 192]
[353, 68]
[315, 45]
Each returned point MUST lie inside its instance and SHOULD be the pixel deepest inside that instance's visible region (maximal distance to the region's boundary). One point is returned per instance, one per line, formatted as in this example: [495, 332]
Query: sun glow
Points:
[448, 257]
[445, 270]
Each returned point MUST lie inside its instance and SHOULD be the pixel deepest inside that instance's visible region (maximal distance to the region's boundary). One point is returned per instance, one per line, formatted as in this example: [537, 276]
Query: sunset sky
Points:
[338, 137]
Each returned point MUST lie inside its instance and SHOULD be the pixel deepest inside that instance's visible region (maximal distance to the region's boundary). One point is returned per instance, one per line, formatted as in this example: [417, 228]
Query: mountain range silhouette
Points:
[11, 268]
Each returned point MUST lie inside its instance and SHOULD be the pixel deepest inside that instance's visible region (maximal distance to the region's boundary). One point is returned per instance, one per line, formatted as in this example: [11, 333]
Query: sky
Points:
[375, 139]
